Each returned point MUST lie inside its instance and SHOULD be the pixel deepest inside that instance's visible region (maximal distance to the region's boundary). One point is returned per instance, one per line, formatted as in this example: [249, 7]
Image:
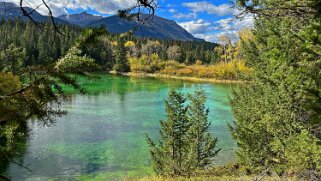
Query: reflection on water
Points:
[102, 136]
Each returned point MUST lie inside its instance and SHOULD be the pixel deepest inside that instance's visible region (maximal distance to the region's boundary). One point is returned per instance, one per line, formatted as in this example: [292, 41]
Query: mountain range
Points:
[155, 27]
[12, 11]
[82, 19]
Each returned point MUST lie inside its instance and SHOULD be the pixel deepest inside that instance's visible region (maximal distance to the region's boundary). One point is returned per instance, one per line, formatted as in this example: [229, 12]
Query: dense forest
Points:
[44, 45]
[39, 47]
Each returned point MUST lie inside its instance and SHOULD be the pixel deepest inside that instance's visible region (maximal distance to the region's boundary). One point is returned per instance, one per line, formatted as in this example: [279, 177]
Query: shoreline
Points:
[191, 79]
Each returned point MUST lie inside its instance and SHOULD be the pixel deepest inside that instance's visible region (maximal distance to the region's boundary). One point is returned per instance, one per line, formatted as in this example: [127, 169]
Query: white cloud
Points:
[214, 37]
[208, 37]
[195, 27]
[232, 24]
[185, 16]
[203, 6]
[171, 5]
[211, 31]
[58, 6]
[172, 10]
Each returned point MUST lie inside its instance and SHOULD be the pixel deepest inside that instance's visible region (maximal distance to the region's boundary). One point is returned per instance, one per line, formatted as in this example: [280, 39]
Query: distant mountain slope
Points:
[13, 11]
[83, 19]
[155, 27]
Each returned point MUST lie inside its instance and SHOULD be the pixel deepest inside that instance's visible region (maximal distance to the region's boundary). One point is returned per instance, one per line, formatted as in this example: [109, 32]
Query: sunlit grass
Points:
[217, 178]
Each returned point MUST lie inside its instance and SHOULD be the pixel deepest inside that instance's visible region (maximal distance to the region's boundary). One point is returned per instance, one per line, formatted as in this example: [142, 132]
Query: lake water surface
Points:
[103, 135]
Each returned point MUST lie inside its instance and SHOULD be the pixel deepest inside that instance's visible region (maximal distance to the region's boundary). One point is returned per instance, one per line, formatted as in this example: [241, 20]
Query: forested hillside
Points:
[43, 46]
[40, 45]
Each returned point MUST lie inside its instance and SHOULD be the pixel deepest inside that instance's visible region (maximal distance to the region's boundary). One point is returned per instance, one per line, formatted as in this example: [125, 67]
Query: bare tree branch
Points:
[51, 17]
[25, 13]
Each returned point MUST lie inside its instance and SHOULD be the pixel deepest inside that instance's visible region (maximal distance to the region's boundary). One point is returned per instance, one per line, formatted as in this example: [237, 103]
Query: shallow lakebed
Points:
[102, 137]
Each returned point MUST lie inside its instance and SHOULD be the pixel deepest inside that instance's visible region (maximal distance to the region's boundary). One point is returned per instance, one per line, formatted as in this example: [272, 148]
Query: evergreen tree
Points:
[43, 46]
[36, 98]
[169, 154]
[12, 59]
[185, 144]
[202, 141]
[121, 64]
[281, 105]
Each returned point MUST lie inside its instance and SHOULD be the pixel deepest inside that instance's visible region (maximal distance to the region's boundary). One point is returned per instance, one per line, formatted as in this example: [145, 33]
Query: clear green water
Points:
[102, 136]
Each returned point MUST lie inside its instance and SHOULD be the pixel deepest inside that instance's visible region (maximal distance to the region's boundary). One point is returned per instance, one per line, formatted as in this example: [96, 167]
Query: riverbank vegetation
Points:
[227, 65]
[123, 53]
[234, 70]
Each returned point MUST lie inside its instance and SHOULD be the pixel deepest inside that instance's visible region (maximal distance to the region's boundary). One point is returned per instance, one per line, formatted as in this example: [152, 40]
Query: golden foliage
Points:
[198, 62]
[114, 43]
[130, 44]
[222, 71]
[230, 67]
[145, 64]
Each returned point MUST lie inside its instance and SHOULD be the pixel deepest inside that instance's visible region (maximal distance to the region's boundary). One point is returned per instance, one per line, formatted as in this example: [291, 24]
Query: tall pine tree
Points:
[168, 155]
[185, 145]
[203, 143]
[121, 64]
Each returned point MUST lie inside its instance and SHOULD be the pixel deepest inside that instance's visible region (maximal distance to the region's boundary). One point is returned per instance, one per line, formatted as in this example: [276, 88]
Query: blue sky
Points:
[207, 19]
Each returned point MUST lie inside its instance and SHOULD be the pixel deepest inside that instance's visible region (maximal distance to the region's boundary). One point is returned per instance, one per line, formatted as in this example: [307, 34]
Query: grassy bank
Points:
[219, 178]
[192, 79]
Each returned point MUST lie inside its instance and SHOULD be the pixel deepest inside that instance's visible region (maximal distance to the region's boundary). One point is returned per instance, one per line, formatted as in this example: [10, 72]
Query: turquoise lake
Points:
[102, 137]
